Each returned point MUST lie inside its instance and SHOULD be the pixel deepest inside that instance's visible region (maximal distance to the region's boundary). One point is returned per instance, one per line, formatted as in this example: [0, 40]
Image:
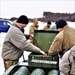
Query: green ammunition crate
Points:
[36, 60]
[43, 38]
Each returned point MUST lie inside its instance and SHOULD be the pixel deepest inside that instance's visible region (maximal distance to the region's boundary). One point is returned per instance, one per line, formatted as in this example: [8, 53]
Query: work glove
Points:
[27, 36]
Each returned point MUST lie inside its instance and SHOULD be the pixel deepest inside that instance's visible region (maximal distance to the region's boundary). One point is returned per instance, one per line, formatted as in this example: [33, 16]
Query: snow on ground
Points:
[2, 35]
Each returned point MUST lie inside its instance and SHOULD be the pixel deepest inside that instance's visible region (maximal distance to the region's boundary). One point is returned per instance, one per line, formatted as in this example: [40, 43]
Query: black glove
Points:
[27, 36]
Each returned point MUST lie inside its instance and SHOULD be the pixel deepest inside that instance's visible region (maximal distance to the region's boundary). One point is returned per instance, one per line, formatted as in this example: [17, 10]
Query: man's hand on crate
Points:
[42, 52]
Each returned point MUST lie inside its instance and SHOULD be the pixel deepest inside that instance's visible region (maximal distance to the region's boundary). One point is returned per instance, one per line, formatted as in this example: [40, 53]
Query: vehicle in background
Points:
[5, 25]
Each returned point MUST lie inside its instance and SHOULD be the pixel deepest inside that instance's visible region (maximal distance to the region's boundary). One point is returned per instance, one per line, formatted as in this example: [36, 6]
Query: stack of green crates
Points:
[43, 39]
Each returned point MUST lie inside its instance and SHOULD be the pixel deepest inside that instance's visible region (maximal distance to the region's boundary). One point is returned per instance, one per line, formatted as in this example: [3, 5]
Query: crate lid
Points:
[43, 38]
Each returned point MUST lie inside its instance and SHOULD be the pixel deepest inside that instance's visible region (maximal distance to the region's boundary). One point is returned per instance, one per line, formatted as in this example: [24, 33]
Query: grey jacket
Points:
[15, 43]
[67, 65]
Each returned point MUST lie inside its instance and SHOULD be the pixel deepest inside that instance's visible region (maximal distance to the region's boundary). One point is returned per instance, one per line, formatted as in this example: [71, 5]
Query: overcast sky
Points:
[34, 8]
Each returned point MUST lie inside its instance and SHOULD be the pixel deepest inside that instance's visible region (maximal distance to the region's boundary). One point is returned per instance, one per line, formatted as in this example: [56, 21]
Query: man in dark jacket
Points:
[15, 43]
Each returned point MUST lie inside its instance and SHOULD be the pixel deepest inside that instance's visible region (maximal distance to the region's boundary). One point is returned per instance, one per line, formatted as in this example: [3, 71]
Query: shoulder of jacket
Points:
[59, 35]
[31, 26]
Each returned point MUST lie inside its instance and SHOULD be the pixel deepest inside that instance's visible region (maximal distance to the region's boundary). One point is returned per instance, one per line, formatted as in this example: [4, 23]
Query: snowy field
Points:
[2, 36]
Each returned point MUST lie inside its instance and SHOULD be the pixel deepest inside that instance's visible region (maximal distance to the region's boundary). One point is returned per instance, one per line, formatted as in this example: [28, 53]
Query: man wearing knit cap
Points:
[15, 43]
[64, 40]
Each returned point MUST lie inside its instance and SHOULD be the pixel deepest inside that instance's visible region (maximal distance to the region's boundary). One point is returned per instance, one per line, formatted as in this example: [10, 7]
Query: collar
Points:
[16, 25]
[65, 27]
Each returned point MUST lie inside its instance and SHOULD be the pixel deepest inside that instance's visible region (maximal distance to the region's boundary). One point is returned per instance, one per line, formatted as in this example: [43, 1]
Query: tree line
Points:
[50, 16]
